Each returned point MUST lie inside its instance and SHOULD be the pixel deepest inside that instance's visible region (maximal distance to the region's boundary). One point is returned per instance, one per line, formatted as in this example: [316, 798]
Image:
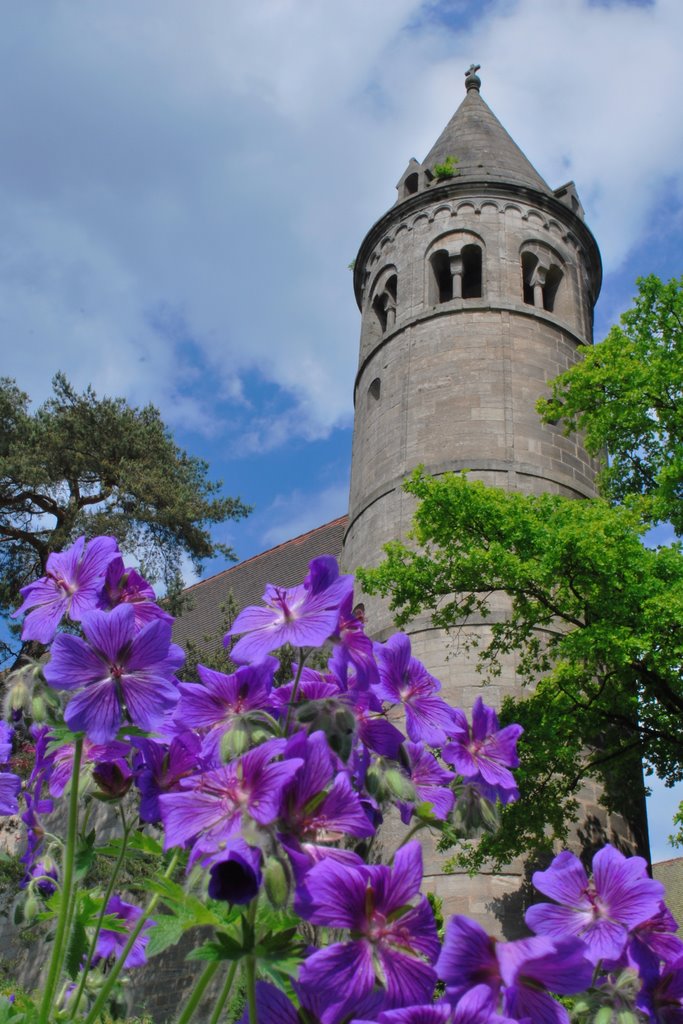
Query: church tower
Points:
[475, 289]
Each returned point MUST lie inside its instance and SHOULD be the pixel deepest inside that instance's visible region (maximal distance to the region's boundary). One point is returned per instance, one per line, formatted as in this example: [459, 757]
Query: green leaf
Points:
[76, 950]
[166, 932]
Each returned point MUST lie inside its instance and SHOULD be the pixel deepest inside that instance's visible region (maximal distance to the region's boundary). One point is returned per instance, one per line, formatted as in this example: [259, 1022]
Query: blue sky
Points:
[183, 186]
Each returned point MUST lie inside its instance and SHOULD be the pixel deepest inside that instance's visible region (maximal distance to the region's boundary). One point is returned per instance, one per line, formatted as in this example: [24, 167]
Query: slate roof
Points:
[284, 565]
[483, 148]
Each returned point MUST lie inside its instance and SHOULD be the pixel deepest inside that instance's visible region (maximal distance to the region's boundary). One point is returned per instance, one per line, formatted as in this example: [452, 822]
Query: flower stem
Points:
[250, 963]
[409, 835]
[118, 966]
[295, 689]
[60, 939]
[225, 992]
[110, 888]
[250, 968]
[198, 992]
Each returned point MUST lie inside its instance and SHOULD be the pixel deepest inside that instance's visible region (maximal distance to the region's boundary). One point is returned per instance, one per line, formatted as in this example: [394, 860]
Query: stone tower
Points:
[475, 289]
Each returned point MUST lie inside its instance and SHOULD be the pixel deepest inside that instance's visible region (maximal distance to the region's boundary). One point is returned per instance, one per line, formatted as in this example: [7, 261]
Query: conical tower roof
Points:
[483, 148]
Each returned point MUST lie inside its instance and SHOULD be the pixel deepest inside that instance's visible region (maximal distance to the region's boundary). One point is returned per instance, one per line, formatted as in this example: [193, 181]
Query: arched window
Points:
[456, 275]
[375, 389]
[471, 272]
[529, 264]
[411, 184]
[553, 280]
[384, 302]
[442, 278]
[541, 278]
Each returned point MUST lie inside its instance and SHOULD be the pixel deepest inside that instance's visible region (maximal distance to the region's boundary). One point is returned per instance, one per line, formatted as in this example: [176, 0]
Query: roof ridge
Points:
[261, 554]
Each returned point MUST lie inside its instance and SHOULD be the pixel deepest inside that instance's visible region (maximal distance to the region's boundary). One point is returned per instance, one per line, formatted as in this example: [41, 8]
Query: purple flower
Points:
[319, 804]
[601, 912]
[303, 616]
[215, 706]
[393, 945]
[160, 768]
[71, 587]
[93, 754]
[122, 675]
[353, 647]
[430, 781]
[523, 970]
[487, 751]
[6, 737]
[236, 876]
[211, 805]
[45, 870]
[652, 941]
[661, 998]
[10, 785]
[473, 1008]
[273, 1006]
[126, 586]
[405, 680]
[111, 943]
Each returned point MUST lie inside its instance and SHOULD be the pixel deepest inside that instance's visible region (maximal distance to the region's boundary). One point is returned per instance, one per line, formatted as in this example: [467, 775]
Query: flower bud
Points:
[38, 708]
[234, 743]
[113, 779]
[374, 782]
[400, 785]
[30, 908]
[276, 882]
[18, 694]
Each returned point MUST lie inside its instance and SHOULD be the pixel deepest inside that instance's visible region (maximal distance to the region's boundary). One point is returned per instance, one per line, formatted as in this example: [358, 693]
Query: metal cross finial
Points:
[472, 79]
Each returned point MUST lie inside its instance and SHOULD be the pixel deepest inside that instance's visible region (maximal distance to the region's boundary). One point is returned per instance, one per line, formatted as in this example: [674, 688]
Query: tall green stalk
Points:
[65, 909]
[295, 690]
[198, 991]
[99, 1003]
[250, 961]
[225, 992]
[98, 927]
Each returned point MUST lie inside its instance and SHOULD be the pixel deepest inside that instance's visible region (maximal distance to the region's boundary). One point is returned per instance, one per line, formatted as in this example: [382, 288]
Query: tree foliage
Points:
[595, 625]
[627, 396]
[86, 465]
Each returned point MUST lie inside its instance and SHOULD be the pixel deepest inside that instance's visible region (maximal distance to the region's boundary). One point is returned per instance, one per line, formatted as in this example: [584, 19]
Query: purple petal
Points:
[334, 895]
[558, 965]
[623, 883]
[343, 967]
[408, 980]
[95, 711]
[565, 881]
[151, 646]
[110, 632]
[73, 663]
[148, 697]
[467, 957]
[10, 785]
[406, 877]
[523, 1003]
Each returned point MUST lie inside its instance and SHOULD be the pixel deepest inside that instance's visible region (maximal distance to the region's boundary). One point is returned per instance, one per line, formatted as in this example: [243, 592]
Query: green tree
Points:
[86, 465]
[596, 616]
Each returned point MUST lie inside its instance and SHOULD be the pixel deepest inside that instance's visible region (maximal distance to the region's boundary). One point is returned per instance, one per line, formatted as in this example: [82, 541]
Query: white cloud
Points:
[297, 512]
[183, 187]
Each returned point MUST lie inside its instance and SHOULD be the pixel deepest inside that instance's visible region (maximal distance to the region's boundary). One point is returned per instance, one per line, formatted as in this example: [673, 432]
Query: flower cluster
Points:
[273, 796]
